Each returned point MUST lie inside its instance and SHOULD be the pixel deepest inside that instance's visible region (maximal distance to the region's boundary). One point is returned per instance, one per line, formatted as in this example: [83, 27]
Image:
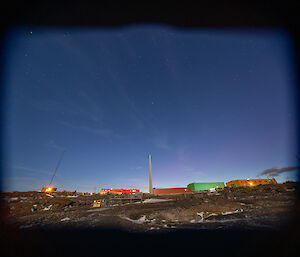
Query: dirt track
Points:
[265, 206]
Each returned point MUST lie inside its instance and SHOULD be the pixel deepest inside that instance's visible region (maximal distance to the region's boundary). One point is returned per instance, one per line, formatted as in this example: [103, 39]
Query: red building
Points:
[119, 191]
[167, 191]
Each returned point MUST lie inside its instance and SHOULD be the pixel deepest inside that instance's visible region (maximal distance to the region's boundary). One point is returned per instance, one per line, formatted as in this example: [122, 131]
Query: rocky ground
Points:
[264, 207]
[256, 221]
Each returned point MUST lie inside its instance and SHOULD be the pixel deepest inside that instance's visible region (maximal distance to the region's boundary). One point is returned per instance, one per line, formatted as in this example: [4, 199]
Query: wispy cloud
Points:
[137, 180]
[88, 106]
[52, 144]
[23, 183]
[135, 114]
[94, 112]
[141, 120]
[103, 132]
[199, 174]
[137, 167]
[161, 141]
[193, 171]
[188, 169]
[88, 110]
[30, 170]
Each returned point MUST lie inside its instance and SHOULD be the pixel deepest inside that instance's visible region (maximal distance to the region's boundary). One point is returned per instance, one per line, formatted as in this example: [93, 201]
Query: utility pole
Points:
[150, 176]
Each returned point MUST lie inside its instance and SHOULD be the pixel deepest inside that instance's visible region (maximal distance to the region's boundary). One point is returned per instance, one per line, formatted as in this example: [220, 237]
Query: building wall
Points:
[178, 190]
[250, 182]
[104, 191]
[205, 186]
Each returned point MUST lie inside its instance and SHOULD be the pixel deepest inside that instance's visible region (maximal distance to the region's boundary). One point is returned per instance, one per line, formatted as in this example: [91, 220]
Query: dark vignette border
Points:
[211, 14]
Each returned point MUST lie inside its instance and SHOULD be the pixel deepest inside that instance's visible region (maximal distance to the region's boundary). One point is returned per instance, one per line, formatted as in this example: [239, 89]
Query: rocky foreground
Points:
[267, 207]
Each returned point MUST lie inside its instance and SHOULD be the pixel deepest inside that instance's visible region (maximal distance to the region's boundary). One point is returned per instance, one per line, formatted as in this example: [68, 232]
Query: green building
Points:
[205, 186]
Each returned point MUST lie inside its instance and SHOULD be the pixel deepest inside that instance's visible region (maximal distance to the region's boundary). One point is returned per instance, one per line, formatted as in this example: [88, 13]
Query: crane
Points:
[50, 188]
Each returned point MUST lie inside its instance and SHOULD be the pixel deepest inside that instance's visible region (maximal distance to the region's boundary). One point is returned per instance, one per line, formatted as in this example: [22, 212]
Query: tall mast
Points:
[150, 176]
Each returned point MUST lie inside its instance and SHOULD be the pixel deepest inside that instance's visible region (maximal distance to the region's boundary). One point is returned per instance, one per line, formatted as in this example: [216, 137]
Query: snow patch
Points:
[152, 200]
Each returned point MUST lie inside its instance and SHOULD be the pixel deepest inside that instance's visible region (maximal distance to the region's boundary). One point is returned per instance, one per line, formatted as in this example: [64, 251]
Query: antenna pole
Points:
[150, 176]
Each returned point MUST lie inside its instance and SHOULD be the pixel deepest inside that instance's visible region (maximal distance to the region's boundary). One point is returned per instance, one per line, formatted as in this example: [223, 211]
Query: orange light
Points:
[48, 189]
[251, 183]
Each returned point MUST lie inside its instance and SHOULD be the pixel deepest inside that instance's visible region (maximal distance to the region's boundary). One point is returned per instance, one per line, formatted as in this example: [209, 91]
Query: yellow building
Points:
[250, 182]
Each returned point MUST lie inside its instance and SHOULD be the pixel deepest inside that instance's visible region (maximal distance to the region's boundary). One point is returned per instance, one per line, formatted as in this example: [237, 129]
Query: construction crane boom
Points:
[58, 164]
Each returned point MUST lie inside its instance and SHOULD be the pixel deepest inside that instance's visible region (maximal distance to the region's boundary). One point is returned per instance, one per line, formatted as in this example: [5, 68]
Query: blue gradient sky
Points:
[209, 105]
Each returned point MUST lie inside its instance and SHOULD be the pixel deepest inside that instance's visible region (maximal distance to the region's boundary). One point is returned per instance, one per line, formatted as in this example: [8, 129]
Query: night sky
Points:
[209, 105]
